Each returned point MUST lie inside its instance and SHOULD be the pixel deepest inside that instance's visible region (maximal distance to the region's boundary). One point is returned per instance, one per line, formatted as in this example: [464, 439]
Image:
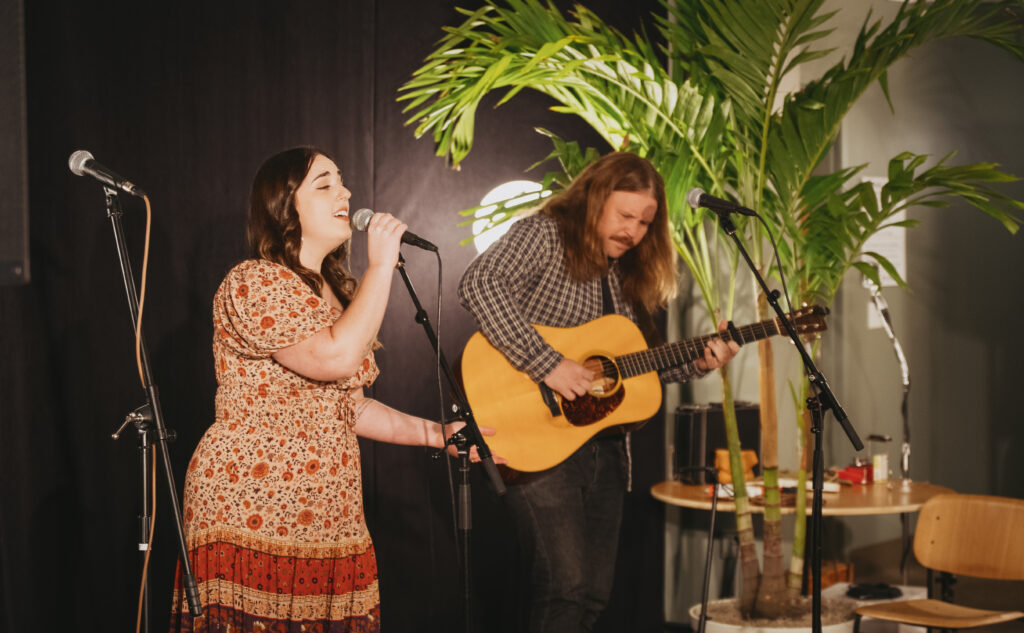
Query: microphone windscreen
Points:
[361, 219]
[693, 198]
[78, 160]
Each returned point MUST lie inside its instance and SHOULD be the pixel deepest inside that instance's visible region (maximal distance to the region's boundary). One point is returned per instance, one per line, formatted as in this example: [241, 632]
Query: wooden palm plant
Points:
[703, 102]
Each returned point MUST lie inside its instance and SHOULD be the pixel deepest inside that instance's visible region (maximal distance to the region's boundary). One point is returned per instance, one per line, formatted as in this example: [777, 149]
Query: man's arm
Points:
[492, 283]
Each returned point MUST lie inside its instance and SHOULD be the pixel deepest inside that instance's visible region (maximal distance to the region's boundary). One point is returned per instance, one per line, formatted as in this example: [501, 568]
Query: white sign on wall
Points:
[890, 243]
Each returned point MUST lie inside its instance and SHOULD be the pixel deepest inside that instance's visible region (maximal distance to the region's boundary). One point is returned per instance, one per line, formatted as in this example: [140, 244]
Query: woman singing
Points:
[273, 494]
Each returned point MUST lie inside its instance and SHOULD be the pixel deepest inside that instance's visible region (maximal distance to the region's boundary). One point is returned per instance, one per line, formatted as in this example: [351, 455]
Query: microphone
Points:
[361, 222]
[83, 164]
[697, 198]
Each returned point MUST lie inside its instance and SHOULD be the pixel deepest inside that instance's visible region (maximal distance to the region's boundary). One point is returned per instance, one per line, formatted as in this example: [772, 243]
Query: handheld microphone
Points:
[83, 164]
[697, 198]
[361, 222]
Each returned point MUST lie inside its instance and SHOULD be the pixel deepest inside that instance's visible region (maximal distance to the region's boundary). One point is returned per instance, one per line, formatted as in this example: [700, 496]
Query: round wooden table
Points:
[887, 497]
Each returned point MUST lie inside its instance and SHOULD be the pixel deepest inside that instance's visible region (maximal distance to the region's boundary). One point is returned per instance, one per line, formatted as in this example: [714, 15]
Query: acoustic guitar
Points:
[537, 429]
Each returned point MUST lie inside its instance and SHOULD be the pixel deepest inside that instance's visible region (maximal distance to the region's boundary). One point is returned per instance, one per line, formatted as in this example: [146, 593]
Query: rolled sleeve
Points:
[683, 373]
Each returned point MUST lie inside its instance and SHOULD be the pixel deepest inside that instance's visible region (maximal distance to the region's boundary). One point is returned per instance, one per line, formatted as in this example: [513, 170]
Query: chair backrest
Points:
[972, 535]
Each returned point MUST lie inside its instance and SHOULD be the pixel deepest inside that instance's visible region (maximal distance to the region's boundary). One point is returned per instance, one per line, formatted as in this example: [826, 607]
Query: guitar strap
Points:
[608, 307]
[607, 304]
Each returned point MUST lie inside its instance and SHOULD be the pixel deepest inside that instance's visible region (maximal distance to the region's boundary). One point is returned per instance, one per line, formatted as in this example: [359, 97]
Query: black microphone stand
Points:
[142, 419]
[462, 440]
[711, 473]
[883, 311]
[149, 421]
[822, 399]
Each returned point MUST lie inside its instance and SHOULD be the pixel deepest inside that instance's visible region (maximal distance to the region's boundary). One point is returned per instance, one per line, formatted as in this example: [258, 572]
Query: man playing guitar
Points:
[600, 247]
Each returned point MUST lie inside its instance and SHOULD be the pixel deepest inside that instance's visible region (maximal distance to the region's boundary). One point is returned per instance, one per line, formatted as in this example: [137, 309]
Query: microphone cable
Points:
[153, 458]
[149, 540]
[142, 292]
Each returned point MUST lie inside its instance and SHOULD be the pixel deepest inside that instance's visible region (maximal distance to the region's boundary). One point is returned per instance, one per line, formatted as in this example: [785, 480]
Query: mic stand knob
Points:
[140, 418]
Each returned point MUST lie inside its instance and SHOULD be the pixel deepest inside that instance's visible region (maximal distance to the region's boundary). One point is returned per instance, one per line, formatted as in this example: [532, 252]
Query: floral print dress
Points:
[273, 504]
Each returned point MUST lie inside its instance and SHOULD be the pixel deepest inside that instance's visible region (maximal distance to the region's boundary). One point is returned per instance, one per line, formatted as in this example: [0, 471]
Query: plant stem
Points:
[750, 574]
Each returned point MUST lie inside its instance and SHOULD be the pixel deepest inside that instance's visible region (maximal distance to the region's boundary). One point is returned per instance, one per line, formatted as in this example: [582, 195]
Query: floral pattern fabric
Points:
[273, 504]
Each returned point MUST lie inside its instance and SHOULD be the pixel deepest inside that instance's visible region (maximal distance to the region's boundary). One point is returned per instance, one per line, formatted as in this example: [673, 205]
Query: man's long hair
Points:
[274, 231]
[648, 269]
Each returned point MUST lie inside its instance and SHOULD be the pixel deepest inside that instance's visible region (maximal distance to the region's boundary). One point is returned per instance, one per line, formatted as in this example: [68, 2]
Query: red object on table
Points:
[857, 474]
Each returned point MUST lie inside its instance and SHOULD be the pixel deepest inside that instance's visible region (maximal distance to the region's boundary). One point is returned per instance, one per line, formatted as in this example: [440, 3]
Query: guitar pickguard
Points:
[587, 409]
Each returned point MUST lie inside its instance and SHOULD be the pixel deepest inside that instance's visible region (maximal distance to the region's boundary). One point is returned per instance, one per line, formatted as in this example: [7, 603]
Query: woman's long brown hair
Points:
[648, 269]
[274, 232]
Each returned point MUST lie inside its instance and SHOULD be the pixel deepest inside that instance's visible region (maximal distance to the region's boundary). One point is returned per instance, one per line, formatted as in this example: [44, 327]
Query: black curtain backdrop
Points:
[187, 99]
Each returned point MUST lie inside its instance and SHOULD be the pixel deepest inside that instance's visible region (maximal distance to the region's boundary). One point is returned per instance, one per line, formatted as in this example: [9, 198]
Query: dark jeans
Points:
[567, 521]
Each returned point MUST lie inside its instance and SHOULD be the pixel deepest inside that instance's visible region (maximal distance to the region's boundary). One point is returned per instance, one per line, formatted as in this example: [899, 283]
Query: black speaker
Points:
[13, 147]
[700, 429]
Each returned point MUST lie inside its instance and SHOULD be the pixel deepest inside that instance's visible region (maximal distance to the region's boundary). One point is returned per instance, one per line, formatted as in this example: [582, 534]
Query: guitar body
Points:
[538, 430]
[528, 435]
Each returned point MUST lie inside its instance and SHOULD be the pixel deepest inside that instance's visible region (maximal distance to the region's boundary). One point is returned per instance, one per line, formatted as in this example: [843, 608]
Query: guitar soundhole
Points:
[605, 395]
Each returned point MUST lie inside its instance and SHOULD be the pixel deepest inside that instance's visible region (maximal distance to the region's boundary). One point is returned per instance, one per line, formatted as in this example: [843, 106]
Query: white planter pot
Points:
[712, 626]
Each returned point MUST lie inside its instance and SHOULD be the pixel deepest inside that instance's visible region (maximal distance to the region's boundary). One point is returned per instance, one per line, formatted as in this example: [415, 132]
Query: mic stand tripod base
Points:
[464, 522]
[142, 419]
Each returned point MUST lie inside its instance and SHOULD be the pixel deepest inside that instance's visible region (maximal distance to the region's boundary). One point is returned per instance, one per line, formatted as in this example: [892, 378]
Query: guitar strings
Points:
[641, 362]
[674, 354]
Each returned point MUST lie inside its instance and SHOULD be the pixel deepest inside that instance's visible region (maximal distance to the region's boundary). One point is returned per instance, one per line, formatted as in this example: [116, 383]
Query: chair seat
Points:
[938, 614]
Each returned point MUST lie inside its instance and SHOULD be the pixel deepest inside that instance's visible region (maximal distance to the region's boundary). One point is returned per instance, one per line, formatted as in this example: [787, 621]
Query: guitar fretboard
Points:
[681, 352]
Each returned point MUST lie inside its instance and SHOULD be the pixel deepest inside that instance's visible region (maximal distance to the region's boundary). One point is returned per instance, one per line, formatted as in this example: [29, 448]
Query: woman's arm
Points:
[376, 421]
[336, 352]
[379, 422]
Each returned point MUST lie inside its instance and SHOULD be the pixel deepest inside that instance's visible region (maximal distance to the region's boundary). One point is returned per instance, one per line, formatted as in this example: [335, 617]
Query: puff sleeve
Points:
[262, 307]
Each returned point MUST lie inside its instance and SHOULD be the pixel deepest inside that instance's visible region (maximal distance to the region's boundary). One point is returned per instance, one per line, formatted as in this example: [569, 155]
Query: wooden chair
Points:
[970, 535]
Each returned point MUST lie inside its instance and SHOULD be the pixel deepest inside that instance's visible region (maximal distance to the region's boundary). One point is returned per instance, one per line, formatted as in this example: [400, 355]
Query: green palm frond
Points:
[618, 86]
[831, 233]
[743, 50]
[811, 118]
[710, 121]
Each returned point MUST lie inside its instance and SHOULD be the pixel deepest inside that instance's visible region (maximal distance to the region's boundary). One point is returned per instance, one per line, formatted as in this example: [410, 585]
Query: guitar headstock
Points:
[809, 319]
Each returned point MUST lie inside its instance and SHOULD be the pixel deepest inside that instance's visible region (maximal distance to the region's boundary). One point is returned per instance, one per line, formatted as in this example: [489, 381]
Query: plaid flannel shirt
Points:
[523, 279]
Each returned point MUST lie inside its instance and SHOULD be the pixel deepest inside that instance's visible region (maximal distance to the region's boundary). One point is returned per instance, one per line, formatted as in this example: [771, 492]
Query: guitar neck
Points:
[682, 352]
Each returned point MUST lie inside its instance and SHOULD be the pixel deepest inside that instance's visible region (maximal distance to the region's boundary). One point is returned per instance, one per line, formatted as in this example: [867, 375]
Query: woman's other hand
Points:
[474, 455]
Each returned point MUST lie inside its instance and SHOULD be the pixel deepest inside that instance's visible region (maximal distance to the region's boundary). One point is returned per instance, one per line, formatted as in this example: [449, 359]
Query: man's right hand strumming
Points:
[570, 379]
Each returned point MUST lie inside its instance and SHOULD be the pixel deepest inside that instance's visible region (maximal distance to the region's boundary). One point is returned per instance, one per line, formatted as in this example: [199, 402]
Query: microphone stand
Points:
[149, 421]
[822, 399]
[702, 622]
[883, 311]
[462, 440]
[711, 473]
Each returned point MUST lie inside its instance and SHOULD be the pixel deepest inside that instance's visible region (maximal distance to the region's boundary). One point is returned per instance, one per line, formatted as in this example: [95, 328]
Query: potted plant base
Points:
[724, 617]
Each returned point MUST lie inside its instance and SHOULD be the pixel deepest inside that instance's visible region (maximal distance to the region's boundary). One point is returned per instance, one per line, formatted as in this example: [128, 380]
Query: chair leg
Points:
[856, 623]
[946, 582]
